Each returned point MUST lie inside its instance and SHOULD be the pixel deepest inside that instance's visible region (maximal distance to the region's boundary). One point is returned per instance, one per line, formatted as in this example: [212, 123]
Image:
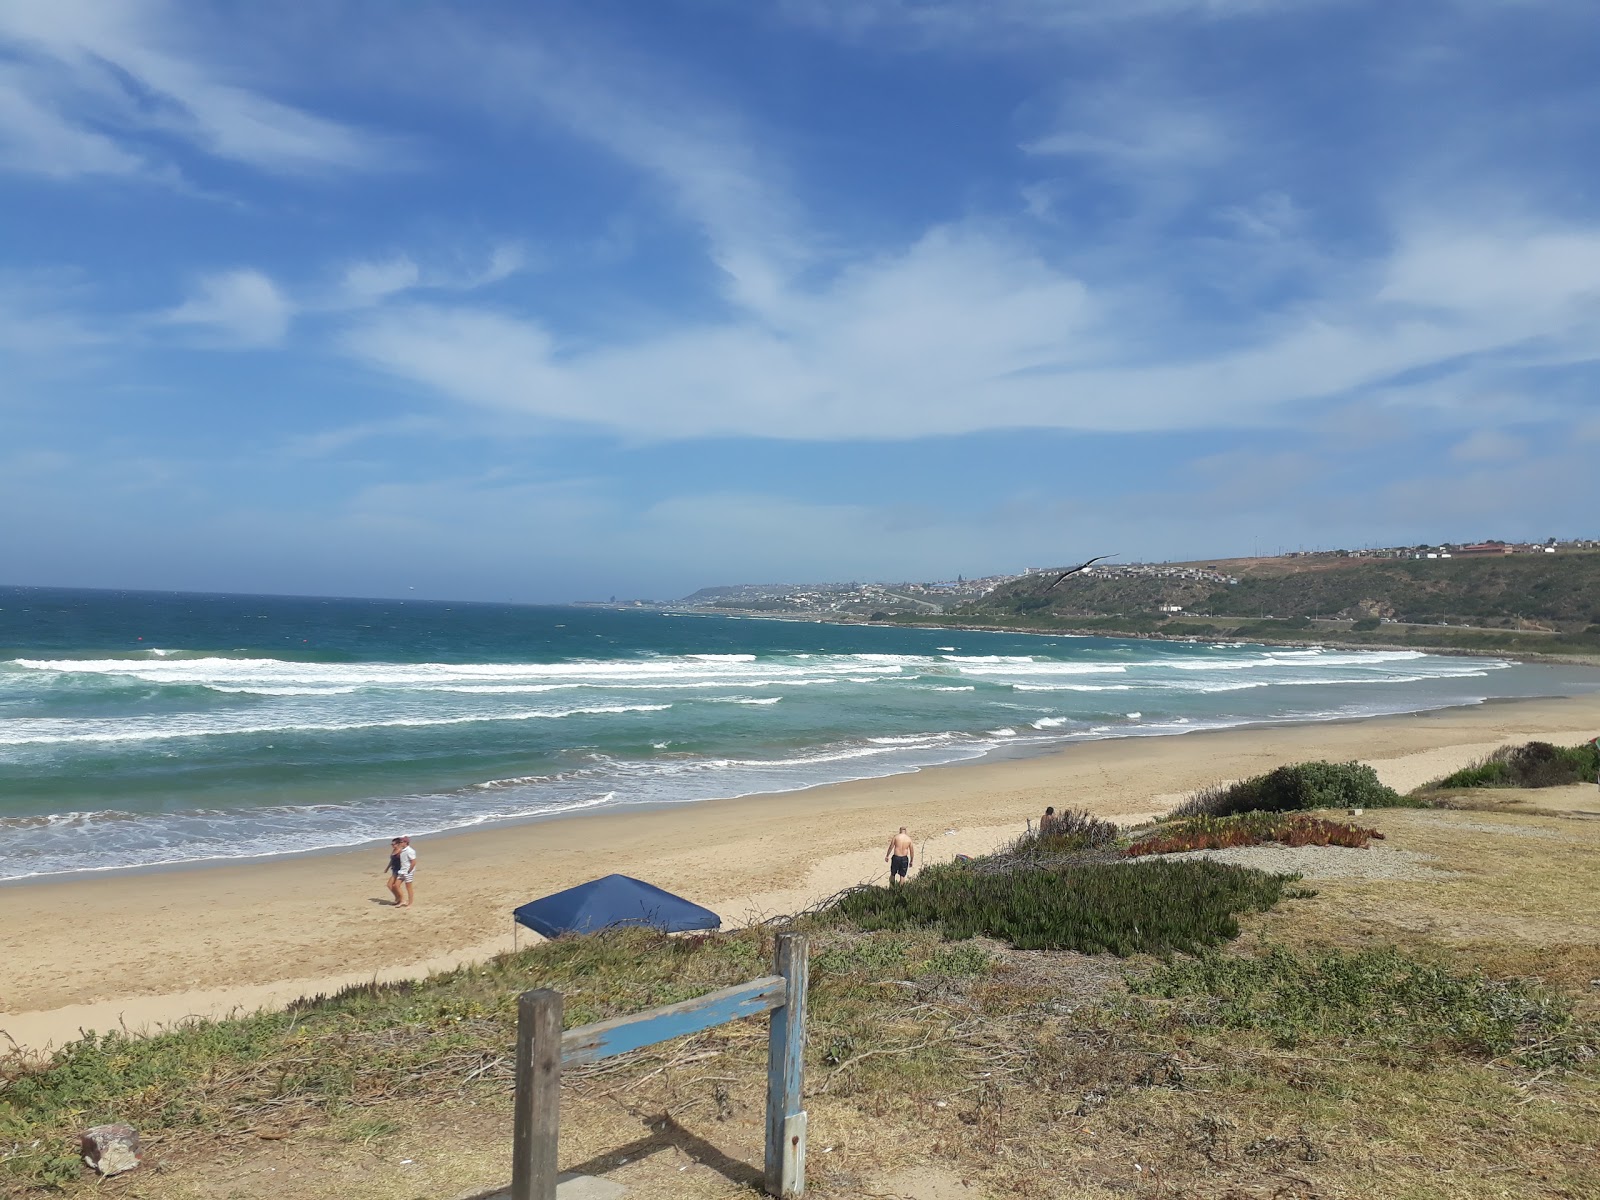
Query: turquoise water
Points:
[146, 728]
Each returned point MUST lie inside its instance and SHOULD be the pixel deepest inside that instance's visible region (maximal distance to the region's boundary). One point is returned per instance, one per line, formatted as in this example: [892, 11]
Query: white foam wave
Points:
[54, 731]
[1072, 687]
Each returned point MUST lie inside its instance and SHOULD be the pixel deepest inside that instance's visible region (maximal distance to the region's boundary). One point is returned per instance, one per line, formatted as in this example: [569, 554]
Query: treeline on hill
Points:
[1560, 592]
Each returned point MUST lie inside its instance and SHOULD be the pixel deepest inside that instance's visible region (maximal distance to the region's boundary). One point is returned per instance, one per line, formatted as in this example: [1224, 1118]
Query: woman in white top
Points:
[402, 869]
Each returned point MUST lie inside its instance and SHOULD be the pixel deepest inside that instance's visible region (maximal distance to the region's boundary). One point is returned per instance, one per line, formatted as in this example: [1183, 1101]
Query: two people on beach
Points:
[402, 869]
[900, 855]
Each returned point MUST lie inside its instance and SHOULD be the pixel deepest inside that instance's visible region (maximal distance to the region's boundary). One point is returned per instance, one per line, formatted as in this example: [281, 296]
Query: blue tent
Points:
[614, 900]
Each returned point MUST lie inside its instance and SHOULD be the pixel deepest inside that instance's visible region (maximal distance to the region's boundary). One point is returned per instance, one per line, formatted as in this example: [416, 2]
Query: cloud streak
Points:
[106, 89]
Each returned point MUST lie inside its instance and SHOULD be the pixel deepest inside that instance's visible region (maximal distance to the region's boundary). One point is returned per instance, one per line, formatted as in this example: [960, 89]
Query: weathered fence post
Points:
[785, 1174]
[536, 1132]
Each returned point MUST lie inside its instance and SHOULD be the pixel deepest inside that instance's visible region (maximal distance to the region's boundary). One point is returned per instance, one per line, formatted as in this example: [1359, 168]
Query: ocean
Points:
[142, 728]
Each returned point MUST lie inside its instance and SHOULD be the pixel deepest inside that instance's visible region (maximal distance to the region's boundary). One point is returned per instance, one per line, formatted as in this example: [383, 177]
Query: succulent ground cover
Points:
[1095, 908]
[1250, 829]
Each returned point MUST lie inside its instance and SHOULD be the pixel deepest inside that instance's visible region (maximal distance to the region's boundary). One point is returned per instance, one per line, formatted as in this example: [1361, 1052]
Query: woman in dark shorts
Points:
[392, 871]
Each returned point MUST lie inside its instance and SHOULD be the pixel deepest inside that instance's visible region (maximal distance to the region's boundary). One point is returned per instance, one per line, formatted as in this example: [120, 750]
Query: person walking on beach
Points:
[401, 871]
[900, 855]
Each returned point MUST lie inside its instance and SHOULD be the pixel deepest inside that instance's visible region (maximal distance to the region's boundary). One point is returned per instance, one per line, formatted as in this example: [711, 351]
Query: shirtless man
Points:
[900, 855]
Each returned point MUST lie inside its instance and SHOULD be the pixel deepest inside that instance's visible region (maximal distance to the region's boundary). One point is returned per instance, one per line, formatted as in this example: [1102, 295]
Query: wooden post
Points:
[785, 1173]
[537, 1119]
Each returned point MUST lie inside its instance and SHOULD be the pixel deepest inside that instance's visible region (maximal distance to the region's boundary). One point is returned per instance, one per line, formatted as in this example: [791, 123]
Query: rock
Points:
[111, 1149]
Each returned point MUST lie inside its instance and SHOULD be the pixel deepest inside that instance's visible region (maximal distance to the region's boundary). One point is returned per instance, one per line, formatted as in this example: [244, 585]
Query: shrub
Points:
[1250, 829]
[1121, 908]
[1294, 789]
[1073, 830]
[1365, 625]
[1531, 765]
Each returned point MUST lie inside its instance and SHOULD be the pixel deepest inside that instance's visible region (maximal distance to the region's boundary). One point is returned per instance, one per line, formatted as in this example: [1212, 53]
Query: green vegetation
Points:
[1531, 765]
[1250, 829]
[1377, 999]
[1560, 590]
[1522, 604]
[1120, 908]
[1073, 830]
[1295, 788]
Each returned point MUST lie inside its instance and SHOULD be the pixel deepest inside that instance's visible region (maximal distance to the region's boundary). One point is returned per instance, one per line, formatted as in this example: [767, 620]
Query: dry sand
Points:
[144, 948]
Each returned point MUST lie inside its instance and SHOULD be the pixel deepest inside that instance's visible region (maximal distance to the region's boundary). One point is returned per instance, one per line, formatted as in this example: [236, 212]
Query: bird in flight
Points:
[1074, 570]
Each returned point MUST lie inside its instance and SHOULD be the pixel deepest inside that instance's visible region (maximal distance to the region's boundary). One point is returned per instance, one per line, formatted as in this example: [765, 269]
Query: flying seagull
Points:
[1080, 567]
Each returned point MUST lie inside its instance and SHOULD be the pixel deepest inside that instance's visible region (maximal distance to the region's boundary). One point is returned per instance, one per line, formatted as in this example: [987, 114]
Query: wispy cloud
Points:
[708, 161]
[968, 25]
[242, 308]
[105, 89]
[968, 330]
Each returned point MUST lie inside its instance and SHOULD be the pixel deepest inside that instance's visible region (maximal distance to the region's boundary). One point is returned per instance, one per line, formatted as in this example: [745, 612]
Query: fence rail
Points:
[543, 1050]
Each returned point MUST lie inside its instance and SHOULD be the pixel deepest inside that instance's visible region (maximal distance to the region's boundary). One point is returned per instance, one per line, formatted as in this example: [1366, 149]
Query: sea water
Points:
[149, 728]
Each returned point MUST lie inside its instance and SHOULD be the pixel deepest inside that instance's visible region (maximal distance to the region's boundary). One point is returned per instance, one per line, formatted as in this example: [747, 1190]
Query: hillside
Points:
[1556, 593]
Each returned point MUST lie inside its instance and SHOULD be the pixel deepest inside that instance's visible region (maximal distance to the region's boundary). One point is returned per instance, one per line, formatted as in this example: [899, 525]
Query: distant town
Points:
[858, 599]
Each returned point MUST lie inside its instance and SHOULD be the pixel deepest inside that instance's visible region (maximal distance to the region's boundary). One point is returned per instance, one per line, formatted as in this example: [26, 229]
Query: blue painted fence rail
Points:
[604, 1039]
[543, 1050]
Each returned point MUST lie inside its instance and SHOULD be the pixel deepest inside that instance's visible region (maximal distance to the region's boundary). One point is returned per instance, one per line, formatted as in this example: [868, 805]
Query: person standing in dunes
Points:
[900, 855]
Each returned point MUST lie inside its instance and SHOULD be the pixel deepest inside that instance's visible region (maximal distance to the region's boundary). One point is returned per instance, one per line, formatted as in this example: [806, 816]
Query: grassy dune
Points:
[1434, 1036]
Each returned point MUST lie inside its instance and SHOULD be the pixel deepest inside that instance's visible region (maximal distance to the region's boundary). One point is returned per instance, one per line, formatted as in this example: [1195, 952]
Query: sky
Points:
[547, 300]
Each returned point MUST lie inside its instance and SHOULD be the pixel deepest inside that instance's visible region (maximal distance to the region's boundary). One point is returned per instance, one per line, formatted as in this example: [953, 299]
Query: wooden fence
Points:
[543, 1050]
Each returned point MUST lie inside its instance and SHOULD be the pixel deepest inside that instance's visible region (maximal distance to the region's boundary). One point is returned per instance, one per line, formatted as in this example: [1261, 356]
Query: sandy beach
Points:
[139, 949]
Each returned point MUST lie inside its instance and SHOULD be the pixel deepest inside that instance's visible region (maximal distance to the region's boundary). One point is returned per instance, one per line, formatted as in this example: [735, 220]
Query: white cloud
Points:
[374, 281]
[369, 282]
[1488, 445]
[93, 88]
[243, 308]
[712, 167]
[967, 330]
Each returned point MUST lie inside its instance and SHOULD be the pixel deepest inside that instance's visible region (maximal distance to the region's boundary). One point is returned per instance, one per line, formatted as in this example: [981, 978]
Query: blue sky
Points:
[550, 301]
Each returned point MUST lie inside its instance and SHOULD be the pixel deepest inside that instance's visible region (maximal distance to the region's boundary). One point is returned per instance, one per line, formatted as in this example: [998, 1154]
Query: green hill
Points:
[1535, 603]
[1559, 591]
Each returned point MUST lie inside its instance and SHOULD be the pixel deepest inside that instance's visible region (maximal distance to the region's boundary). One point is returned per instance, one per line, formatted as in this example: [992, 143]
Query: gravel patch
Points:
[1323, 862]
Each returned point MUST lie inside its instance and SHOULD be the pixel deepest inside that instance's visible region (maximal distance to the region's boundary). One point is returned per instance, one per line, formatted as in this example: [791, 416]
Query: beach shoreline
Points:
[996, 754]
[138, 951]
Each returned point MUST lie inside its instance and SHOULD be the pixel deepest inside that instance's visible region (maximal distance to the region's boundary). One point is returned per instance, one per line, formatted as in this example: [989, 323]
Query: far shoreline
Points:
[1527, 656]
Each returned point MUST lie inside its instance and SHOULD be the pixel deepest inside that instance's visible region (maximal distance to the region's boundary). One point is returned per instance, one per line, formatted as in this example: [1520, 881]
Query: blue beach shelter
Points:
[614, 900]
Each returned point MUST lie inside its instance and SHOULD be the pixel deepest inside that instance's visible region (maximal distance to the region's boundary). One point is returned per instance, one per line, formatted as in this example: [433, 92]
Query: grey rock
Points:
[111, 1149]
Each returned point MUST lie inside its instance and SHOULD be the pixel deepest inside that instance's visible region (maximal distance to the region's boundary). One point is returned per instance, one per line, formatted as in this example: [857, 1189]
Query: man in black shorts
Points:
[899, 856]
